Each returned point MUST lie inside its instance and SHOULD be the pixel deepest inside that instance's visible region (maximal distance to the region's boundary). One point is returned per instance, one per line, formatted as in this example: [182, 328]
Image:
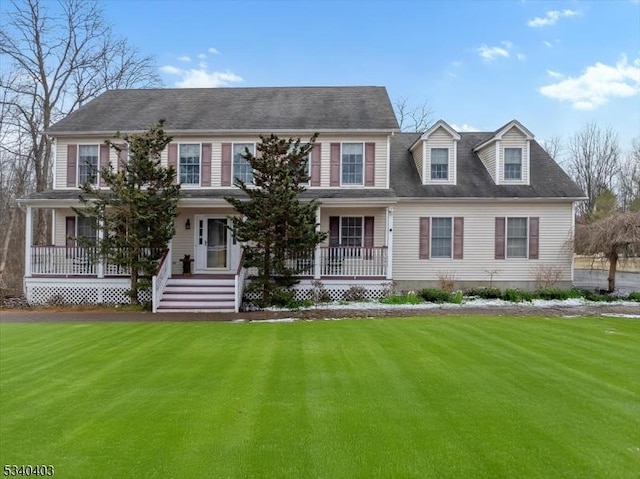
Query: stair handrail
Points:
[159, 280]
[239, 280]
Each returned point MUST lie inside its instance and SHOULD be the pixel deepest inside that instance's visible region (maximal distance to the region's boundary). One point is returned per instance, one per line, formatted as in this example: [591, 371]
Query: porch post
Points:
[316, 253]
[390, 210]
[100, 271]
[27, 242]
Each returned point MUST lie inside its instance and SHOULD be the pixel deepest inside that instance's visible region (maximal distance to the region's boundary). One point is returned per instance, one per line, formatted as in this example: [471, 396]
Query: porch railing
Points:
[74, 261]
[159, 280]
[353, 261]
[239, 280]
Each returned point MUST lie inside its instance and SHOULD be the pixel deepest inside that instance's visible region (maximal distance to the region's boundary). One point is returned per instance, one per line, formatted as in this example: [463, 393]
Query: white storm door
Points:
[212, 243]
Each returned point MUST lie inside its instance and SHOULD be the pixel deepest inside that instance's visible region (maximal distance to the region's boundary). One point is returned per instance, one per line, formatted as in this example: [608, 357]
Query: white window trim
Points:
[77, 235]
[361, 238]
[97, 182]
[431, 237]
[504, 165]
[506, 238]
[190, 185]
[439, 180]
[233, 147]
[364, 163]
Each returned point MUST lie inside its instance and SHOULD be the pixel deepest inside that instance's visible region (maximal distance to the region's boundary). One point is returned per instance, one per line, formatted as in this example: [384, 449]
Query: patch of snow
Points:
[621, 315]
[275, 320]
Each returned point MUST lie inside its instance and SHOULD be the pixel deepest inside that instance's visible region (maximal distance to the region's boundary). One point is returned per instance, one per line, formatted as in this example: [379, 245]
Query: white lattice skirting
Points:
[338, 289]
[80, 291]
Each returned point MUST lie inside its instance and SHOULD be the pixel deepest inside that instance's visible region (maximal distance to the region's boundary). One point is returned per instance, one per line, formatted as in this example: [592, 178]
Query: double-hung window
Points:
[352, 163]
[441, 237]
[517, 237]
[439, 163]
[513, 163]
[189, 164]
[88, 164]
[351, 231]
[241, 167]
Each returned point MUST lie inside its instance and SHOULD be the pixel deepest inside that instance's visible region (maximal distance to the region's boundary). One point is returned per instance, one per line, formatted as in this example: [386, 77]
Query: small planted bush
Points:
[634, 296]
[485, 293]
[597, 297]
[355, 293]
[456, 298]
[434, 295]
[517, 296]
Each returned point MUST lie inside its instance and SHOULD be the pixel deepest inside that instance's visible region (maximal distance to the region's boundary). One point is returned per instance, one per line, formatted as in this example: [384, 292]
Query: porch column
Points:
[316, 253]
[28, 239]
[100, 235]
[390, 210]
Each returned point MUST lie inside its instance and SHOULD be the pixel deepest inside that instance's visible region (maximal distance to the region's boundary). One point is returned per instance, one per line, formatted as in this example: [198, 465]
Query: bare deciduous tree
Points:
[413, 118]
[553, 147]
[54, 57]
[616, 236]
[629, 179]
[593, 161]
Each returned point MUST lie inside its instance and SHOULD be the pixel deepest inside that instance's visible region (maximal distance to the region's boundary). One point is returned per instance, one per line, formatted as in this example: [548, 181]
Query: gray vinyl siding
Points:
[418, 155]
[488, 157]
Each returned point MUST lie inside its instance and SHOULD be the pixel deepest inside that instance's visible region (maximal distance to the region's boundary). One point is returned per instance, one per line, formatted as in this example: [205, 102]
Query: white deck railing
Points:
[159, 280]
[73, 261]
[353, 261]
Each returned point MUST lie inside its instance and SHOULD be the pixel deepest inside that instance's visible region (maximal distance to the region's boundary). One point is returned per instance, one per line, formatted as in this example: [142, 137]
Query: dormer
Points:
[435, 154]
[505, 154]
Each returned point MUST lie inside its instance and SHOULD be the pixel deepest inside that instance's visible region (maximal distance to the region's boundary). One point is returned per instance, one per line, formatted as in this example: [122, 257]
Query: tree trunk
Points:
[613, 265]
[5, 246]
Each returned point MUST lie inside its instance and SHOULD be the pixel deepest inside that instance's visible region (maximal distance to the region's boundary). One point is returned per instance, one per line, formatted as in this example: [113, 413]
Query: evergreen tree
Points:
[273, 223]
[138, 210]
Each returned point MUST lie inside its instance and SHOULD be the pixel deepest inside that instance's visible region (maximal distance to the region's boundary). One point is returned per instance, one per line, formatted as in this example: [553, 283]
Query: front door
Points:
[212, 251]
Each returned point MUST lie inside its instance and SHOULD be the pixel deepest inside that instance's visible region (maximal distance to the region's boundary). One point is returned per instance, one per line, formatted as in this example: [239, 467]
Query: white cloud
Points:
[213, 51]
[184, 58]
[171, 70]
[203, 79]
[202, 65]
[597, 85]
[554, 74]
[548, 44]
[202, 56]
[521, 56]
[463, 127]
[491, 53]
[551, 18]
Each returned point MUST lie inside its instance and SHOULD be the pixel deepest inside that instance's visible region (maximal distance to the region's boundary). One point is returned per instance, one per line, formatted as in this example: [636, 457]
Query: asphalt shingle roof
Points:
[263, 109]
[547, 179]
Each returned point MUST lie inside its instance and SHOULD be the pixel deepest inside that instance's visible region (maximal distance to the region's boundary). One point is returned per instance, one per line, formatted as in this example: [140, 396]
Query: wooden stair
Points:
[198, 295]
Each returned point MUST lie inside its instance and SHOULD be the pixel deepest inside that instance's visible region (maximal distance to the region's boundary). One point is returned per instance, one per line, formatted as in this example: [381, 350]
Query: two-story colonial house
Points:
[407, 208]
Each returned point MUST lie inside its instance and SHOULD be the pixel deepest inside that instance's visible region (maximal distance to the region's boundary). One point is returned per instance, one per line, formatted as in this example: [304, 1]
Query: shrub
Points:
[634, 296]
[446, 280]
[597, 297]
[434, 295]
[547, 276]
[402, 299]
[485, 293]
[456, 298]
[282, 298]
[517, 296]
[319, 292]
[355, 293]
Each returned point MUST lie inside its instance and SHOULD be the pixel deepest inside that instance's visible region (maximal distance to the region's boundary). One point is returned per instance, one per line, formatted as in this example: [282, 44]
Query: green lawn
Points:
[423, 397]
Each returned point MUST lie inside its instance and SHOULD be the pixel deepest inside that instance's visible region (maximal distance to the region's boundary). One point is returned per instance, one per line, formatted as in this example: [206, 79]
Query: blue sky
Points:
[552, 65]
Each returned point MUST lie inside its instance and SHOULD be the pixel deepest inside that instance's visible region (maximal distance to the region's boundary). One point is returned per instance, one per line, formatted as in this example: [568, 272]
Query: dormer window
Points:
[439, 163]
[513, 163]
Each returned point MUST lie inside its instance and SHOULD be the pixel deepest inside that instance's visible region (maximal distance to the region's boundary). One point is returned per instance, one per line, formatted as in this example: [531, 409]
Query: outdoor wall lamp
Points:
[187, 225]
